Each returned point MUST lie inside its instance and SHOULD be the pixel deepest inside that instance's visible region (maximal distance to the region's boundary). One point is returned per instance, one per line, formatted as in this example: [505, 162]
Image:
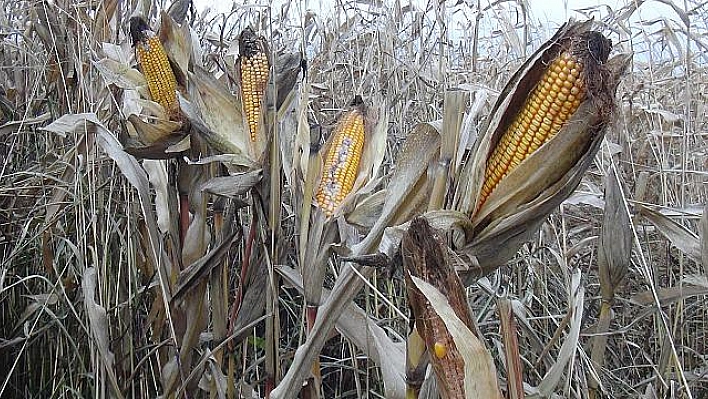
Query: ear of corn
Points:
[155, 65]
[255, 69]
[341, 162]
[552, 102]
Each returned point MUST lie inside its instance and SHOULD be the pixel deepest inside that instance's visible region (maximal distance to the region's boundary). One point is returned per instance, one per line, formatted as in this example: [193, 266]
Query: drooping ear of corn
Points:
[341, 163]
[154, 64]
[563, 86]
[254, 68]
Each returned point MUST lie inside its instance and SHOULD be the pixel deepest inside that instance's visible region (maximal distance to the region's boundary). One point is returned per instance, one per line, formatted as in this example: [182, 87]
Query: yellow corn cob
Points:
[341, 162]
[552, 102]
[255, 70]
[155, 65]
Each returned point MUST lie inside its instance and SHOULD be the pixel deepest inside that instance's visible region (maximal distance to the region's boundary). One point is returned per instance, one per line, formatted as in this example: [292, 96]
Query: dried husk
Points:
[463, 367]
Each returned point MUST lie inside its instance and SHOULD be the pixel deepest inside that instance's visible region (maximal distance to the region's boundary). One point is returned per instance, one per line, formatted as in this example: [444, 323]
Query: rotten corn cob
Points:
[254, 69]
[154, 64]
[553, 101]
[342, 161]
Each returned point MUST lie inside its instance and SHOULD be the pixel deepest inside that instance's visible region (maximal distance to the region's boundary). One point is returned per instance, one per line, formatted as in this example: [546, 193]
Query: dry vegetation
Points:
[81, 313]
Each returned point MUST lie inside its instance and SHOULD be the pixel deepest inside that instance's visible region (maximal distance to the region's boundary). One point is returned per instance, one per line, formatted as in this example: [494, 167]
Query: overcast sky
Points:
[543, 10]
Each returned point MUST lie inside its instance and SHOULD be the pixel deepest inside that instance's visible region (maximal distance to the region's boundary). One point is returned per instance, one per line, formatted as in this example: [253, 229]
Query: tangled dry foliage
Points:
[67, 211]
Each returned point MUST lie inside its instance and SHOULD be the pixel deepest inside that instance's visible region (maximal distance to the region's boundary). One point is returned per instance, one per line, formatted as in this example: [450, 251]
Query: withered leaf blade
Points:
[199, 270]
[680, 236]
[234, 185]
[347, 285]
[366, 335]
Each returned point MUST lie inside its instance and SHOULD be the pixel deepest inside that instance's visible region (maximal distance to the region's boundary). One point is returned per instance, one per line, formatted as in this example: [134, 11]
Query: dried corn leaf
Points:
[680, 236]
[347, 285]
[157, 175]
[88, 124]
[122, 75]
[98, 323]
[566, 354]
[367, 211]
[234, 185]
[704, 240]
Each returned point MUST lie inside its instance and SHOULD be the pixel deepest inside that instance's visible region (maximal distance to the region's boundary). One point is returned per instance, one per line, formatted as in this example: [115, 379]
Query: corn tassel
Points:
[155, 65]
[255, 69]
[341, 162]
[552, 102]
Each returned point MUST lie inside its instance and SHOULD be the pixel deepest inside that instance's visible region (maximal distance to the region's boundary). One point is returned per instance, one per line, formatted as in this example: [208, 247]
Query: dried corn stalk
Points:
[154, 64]
[254, 71]
[542, 134]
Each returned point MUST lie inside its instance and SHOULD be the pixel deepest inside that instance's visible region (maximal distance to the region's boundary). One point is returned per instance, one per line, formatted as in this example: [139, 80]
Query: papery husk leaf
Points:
[216, 115]
[367, 211]
[523, 200]
[177, 41]
[157, 131]
[420, 147]
[122, 75]
[614, 250]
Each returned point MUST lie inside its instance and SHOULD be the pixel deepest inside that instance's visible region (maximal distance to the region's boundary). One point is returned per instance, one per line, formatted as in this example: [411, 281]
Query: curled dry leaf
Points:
[680, 236]
[234, 185]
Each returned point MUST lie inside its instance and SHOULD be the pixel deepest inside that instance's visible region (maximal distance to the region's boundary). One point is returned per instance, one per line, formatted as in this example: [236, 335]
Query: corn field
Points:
[371, 199]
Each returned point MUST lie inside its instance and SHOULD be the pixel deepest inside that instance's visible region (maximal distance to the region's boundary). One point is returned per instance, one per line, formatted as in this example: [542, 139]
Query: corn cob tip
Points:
[139, 30]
